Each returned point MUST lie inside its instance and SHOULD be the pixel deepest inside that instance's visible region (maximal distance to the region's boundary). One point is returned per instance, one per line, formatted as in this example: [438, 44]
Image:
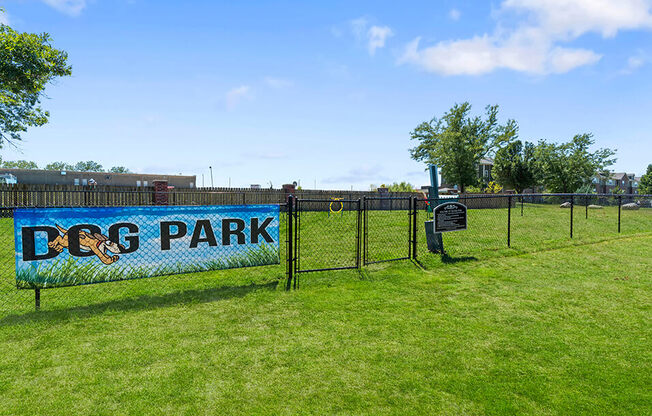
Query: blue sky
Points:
[327, 92]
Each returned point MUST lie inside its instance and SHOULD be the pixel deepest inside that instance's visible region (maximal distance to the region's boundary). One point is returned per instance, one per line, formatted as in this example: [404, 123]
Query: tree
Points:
[58, 166]
[493, 188]
[515, 166]
[566, 167]
[19, 164]
[401, 187]
[456, 142]
[88, 166]
[28, 63]
[645, 186]
[119, 169]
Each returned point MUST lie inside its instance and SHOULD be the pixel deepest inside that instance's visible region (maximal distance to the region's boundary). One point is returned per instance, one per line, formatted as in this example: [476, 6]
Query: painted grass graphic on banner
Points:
[75, 246]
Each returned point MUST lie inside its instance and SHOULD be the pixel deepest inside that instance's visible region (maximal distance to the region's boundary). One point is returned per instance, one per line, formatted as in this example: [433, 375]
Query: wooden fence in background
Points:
[23, 195]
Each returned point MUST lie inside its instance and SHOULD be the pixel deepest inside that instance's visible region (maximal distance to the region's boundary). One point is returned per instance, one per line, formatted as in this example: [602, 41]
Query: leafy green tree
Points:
[19, 164]
[88, 166]
[58, 166]
[119, 169]
[493, 188]
[28, 63]
[456, 142]
[567, 166]
[645, 186]
[401, 187]
[515, 166]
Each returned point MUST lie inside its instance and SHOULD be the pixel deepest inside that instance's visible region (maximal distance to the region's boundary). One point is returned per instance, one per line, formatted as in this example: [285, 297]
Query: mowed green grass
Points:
[554, 332]
[561, 329]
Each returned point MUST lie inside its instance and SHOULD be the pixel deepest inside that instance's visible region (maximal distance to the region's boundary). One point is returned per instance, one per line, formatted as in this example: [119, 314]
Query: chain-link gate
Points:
[327, 234]
[387, 229]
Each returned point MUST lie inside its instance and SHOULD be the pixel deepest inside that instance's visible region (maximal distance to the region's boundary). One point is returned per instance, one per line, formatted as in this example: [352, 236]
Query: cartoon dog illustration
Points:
[98, 243]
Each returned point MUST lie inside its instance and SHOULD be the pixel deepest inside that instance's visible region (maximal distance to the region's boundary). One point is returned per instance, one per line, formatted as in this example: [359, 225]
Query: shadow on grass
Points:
[431, 262]
[447, 259]
[139, 303]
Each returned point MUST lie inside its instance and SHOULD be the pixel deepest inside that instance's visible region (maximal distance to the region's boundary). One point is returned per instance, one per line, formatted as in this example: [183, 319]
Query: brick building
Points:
[626, 183]
[57, 177]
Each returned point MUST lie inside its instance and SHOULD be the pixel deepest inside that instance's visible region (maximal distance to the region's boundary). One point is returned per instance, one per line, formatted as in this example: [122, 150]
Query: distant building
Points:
[626, 183]
[62, 177]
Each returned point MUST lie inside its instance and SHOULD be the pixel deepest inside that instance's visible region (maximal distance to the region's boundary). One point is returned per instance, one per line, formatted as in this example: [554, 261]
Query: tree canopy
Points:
[401, 187]
[456, 142]
[565, 167]
[119, 169]
[19, 164]
[58, 166]
[88, 166]
[645, 186]
[515, 166]
[28, 63]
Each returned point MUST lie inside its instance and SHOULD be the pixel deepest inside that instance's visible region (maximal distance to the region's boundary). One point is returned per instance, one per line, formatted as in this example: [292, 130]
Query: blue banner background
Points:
[149, 259]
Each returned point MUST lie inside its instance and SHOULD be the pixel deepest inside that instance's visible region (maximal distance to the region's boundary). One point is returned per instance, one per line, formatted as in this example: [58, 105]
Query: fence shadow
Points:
[447, 259]
[139, 303]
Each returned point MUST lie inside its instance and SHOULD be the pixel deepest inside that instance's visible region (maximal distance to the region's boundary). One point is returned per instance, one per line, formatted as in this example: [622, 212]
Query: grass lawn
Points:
[549, 326]
[562, 331]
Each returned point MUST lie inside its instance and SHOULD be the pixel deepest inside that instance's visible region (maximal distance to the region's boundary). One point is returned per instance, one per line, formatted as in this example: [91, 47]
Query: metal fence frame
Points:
[482, 201]
[362, 233]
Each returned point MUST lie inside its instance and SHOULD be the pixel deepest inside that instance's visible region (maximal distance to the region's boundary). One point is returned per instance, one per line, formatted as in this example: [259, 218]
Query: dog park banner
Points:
[75, 246]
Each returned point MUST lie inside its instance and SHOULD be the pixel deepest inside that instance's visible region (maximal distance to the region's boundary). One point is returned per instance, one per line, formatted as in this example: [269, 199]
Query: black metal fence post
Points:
[521, 205]
[571, 215]
[290, 249]
[586, 207]
[37, 298]
[365, 231]
[414, 227]
[620, 202]
[509, 221]
[358, 239]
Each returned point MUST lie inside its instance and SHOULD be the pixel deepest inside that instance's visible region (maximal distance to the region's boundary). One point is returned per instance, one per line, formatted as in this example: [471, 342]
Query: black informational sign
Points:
[450, 216]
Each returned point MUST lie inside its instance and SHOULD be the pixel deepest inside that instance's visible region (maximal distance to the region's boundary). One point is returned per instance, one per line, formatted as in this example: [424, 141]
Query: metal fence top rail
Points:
[384, 198]
[327, 200]
[476, 196]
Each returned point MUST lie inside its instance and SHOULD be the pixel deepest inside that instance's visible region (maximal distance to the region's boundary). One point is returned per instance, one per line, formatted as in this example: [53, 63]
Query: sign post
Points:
[433, 238]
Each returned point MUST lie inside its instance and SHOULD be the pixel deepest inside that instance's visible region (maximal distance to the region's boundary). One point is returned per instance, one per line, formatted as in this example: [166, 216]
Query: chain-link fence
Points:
[77, 246]
[387, 229]
[510, 224]
[312, 235]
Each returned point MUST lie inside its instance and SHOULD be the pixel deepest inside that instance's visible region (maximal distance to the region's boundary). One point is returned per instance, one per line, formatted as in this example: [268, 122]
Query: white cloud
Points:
[635, 62]
[359, 27]
[376, 37]
[236, 95]
[69, 7]
[454, 14]
[529, 36]
[358, 175]
[278, 82]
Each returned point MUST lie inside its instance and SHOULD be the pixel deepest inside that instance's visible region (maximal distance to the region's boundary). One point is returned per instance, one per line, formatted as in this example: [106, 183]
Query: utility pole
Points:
[211, 169]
